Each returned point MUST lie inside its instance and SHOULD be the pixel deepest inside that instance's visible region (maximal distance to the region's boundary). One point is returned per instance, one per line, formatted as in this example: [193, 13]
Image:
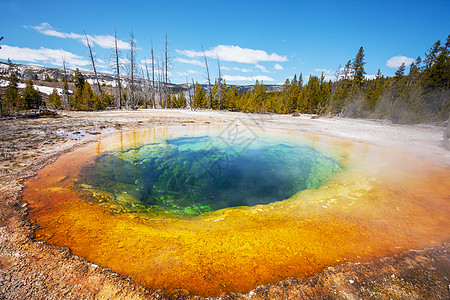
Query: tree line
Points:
[422, 94]
[416, 93]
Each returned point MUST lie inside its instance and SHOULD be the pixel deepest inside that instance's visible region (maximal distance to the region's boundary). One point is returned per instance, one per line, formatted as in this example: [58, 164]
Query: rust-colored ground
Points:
[30, 269]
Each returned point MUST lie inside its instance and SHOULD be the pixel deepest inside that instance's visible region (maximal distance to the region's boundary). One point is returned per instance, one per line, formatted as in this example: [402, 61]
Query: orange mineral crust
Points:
[382, 202]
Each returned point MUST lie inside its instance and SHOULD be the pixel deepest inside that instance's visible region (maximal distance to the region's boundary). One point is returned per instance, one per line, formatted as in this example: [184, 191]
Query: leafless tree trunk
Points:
[194, 102]
[148, 87]
[209, 80]
[119, 84]
[153, 79]
[132, 68]
[93, 63]
[160, 81]
[66, 103]
[189, 92]
[219, 84]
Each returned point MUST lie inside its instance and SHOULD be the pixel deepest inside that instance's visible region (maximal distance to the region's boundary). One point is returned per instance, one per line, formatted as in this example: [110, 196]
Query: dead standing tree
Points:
[150, 84]
[93, 63]
[189, 91]
[132, 58]
[153, 79]
[209, 81]
[117, 67]
[160, 81]
[219, 84]
[147, 87]
[66, 103]
[194, 101]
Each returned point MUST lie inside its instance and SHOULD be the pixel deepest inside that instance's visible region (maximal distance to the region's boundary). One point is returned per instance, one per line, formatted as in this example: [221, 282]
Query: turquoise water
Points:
[197, 174]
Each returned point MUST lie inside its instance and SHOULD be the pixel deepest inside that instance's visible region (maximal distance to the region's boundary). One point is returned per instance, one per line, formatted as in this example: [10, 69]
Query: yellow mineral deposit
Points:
[383, 202]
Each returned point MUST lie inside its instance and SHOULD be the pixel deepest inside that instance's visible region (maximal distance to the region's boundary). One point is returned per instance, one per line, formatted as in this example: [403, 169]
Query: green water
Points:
[192, 175]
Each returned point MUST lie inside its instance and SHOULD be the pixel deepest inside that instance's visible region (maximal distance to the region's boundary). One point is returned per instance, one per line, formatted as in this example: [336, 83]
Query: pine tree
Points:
[400, 71]
[374, 92]
[436, 80]
[200, 96]
[79, 79]
[54, 100]
[12, 101]
[358, 67]
[87, 97]
[31, 97]
[233, 99]
[325, 94]
[76, 101]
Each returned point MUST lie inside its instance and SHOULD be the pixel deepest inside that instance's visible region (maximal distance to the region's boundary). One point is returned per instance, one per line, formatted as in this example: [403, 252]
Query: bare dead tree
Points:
[65, 88]
[160, 79]
[153, 79]
[93, 63]
[161, 85]
[148, 87]
[189, 92]
[119, 84]
[132, 68]
[219, 83]
[194, 102]
[209, 80]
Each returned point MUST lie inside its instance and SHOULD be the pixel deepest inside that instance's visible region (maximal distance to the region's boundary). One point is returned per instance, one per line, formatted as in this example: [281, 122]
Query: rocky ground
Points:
[34, 270]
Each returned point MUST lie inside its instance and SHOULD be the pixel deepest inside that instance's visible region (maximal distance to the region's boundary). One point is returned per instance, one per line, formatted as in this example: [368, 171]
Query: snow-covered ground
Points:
[43, 89]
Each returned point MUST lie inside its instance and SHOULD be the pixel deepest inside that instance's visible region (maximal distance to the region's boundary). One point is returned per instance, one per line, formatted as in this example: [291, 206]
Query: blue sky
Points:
[265, 40]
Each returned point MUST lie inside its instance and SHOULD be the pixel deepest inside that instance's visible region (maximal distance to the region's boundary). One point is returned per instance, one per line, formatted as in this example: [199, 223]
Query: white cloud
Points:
[325, 71]
[189, 72]
[107, 42]
[42, 55]
[262, 68]
[146, 61]
[333, 77]
[235, 54]
[104, 41]
[242, 70]
[236, 69]
[190, 61]
[278, 67]
[370, 77]
[247, 78]
[397, 61]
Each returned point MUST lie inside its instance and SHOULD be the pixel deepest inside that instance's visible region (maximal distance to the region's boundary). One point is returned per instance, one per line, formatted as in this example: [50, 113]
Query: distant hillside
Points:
[46, 74]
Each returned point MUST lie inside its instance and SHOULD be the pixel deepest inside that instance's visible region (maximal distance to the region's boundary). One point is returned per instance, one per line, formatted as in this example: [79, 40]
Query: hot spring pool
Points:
[224, 209]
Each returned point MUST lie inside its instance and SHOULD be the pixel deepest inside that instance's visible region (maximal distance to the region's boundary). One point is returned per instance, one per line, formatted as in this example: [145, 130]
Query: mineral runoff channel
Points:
[380, 202]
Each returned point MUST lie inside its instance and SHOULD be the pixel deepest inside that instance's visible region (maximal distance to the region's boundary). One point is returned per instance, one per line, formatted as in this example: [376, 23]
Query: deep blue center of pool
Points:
[196, 174]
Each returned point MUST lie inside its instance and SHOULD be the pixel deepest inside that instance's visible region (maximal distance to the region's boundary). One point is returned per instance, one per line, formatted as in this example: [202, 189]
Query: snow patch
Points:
[43, 89]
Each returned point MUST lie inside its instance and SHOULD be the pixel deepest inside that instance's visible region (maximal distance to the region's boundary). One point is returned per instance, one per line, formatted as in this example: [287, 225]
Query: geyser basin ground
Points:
[381, 203]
